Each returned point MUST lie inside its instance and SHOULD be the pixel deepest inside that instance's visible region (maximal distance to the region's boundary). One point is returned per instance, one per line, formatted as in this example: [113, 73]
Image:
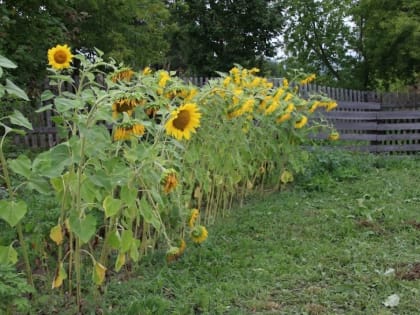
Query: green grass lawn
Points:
[341, 241]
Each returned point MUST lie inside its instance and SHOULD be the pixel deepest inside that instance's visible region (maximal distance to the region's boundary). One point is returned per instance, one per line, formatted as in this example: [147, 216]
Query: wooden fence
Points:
[367, 121]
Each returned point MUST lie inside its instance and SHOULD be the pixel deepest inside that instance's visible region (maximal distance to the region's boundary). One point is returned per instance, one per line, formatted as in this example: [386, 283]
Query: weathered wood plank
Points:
[355, 125]
[398, 126]
[357, 105]
[399, 114]
[337, 114]
[398, 136]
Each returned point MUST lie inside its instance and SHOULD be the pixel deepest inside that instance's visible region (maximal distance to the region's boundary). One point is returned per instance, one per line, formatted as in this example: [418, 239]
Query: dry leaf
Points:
[56, 234]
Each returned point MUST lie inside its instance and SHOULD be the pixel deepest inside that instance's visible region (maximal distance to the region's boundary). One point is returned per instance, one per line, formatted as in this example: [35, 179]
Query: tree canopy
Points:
[363, 44]
[213, 35]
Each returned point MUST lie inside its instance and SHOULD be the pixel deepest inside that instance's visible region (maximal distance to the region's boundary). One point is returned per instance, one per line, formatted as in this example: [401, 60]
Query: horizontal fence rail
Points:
[366, 120]
[375, 128]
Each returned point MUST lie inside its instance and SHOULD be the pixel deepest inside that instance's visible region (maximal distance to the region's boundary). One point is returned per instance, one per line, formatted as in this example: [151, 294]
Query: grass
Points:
[341, 241]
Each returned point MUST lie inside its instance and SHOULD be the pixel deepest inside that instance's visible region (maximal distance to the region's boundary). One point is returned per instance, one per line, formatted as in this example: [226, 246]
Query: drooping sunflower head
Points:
[147, 71]
[308, 79]
[301, 122]
[199, 234]
[125, 74]
[283, 118]
[183, 121]
[334, 136]
[60, 57]
[164, 77]
[169, 180]
[331, 105]
[125, 105]
[286, 177]
[193, 217]
[126, 131]
[313, 107]
[174, 253]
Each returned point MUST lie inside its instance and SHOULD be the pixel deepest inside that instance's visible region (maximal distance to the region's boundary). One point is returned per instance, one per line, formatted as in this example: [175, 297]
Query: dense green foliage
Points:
[363, 44]
[317, 39]
[213, 35]
[391, 41]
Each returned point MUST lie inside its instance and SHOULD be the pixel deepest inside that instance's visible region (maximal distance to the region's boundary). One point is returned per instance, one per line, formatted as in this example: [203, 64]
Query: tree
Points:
[28, 29]
[319, 38]
[213, 35]
[390, 40]
[133, 31]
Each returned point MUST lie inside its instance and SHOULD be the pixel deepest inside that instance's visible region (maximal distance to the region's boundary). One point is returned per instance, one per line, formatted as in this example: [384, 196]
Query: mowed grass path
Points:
[343, 248]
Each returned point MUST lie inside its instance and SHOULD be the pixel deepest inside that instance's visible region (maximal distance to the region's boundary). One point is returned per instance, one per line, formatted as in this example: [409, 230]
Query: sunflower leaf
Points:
[111, 206]
[6, 63]
[12, 211]
[21, 165]
[84, 228]
[18, 119]
[8, 255]
[11, 88]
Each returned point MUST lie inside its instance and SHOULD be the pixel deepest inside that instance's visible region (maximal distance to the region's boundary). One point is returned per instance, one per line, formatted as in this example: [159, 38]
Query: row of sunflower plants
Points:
[250, 138]
[143, 154]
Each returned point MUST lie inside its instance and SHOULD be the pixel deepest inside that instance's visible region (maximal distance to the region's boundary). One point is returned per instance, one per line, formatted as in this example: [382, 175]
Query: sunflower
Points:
[124, 105]
[169, 181]
[246, 107]
[126, 131]
[273, 106]
[302, 122]
[286, 177]
[147, 71]
[314, 106]
[199, 234]
[283, 118]
[334, 136]
[163, 78]
[124, 74]
[290, 108]
[59, 57]
[183, 121]
[193, 217]
[308, 79]
[331, 105]
[226, 81]
[175, 252]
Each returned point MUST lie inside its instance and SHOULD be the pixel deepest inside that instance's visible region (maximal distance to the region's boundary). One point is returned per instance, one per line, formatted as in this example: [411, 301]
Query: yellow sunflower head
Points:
[283, 118]
[334, 136]
[124, 74]
[314, 106]
[126, 131]
[124, 105]
[301, 122]
[60, 57]
[169, 180]
[193, 217]
[164, 77]
[147, 71]
[199, 234]
[331, 105]
[174, 253]
[183, 121]
[286, 177]
[308, 79]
